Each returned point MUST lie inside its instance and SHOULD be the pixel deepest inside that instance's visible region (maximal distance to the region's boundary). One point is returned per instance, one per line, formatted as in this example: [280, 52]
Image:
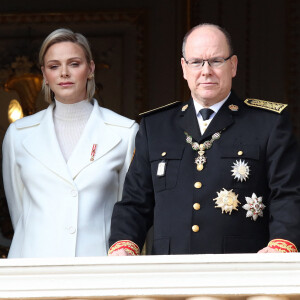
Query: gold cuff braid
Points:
[282, 245]
[129, 246]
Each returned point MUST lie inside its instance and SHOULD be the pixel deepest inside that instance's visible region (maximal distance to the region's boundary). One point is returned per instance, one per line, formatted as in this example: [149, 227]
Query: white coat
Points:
[61, 209]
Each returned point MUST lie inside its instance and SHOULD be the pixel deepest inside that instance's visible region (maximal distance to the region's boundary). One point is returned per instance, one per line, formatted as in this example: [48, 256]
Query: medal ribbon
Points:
[93, 152]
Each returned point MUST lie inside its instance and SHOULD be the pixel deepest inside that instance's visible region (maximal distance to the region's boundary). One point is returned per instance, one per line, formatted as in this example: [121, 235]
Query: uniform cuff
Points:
[129, 246]
[281, 245]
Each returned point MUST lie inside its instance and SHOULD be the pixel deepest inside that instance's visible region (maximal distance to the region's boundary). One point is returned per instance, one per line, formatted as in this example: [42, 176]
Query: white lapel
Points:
[43, 145]
[96, 132]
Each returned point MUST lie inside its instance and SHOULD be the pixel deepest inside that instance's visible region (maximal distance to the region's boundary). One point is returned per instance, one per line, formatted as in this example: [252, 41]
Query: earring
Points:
[91, 76]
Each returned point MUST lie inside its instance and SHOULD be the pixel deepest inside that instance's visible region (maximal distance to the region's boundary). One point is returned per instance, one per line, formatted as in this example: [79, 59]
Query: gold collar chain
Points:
[201, 159]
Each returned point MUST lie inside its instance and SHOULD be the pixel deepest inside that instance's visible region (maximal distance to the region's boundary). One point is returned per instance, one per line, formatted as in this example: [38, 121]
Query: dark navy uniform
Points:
[178, 200]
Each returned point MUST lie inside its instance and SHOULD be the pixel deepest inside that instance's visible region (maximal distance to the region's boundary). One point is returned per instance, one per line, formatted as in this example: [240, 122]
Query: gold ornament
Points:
[272, 106]
[184, 108]
[227, 201]
[200, 167]
[233, 107]
[200, 160]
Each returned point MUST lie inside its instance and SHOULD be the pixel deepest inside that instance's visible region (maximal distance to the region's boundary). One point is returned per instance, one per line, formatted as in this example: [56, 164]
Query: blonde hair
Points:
[66, 35]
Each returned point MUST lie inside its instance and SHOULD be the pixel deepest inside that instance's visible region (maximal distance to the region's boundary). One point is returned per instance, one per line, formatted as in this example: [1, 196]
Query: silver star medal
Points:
[254, 207]
[240, 170]
[227, 201]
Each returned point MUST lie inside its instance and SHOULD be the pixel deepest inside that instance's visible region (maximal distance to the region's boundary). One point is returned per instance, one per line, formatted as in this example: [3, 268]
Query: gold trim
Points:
[282, 245]
[272, 106]
[129, 246]
[184, 108]
[158, 108]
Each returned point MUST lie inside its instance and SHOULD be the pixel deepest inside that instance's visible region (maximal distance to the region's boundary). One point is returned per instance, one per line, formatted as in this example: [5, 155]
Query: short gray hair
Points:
[224, 31]
[66, 35]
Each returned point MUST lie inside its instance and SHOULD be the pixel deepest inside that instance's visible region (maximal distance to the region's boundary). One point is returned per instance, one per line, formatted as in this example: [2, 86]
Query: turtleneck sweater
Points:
[69, 123]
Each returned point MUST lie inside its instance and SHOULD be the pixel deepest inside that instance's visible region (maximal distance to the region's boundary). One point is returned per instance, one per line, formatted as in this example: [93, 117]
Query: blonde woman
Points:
[64, 167]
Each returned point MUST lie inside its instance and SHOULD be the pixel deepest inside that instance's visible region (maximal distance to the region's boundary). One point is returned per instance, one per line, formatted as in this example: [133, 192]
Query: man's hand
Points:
[268, 250]
[120, 252]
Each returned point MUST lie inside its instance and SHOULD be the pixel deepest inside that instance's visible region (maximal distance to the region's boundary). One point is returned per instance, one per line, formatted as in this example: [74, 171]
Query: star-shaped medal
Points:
[254, 207]
[240, 170]
[227, 201]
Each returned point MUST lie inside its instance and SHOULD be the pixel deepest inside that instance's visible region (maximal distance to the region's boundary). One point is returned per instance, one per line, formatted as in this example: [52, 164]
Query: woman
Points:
[64, 167]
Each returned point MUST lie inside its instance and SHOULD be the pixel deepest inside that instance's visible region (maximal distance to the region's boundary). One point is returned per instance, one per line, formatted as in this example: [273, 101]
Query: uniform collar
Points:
[222, 120]
[216, 107]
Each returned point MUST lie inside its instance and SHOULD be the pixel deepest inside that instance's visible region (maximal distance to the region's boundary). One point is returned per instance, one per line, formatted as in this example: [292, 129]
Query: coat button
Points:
[195, 228]
[71, 229]
[196, 206]
[198, 185]
[240, 153]
[74, 193]
[164, 154]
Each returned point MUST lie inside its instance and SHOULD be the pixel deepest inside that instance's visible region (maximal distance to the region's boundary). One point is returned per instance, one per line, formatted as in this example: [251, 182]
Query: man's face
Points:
[208, 85]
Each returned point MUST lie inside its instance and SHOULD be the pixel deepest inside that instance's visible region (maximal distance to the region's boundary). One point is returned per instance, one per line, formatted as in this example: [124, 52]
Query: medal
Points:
[240, 170]
[201, 159]
[227, 201]
[254, 207]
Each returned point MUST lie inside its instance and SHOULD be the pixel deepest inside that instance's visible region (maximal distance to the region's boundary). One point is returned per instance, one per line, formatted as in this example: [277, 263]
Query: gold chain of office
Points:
[200, 148]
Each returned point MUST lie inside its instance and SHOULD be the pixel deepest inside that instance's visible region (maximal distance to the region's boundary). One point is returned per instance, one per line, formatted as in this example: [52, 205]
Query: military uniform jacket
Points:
[259, 137]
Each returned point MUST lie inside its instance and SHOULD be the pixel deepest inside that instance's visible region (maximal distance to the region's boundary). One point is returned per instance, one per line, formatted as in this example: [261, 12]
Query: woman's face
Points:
[66, 71]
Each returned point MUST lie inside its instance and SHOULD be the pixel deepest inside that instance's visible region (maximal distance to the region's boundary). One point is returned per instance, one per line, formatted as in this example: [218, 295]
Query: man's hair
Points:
[66, 35]
[224, 31]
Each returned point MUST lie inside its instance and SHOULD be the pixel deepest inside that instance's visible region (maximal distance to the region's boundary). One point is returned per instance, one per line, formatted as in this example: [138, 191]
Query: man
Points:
[223, 180]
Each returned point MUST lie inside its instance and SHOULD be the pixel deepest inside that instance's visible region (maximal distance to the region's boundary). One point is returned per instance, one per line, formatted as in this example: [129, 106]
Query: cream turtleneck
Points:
[69, 122]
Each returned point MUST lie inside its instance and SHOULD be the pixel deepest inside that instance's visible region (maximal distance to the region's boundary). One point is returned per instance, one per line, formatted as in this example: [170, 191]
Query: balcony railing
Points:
[230, 276]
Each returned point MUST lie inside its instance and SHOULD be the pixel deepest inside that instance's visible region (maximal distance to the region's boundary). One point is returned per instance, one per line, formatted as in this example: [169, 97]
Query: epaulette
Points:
[173, 104]
[268, 105]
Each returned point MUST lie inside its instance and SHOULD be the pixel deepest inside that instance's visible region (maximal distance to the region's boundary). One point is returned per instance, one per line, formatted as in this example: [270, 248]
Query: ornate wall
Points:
[136, 47]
